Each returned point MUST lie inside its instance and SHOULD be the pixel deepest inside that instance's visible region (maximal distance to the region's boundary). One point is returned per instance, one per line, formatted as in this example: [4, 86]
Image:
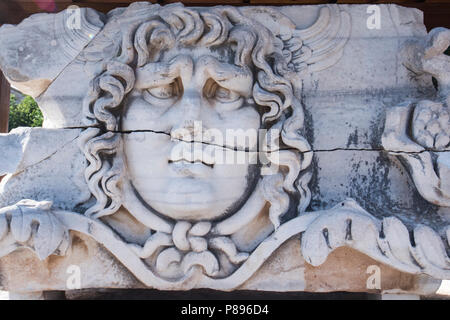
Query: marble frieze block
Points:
[295, 148]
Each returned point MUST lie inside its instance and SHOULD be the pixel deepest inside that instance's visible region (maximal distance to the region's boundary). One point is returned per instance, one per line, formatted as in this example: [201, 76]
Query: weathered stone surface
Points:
[48, 166]
[36, 51]
[253, 148]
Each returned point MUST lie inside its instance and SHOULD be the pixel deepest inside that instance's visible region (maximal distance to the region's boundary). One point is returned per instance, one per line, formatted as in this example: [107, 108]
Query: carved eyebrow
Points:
[160, 73]
[229, 76]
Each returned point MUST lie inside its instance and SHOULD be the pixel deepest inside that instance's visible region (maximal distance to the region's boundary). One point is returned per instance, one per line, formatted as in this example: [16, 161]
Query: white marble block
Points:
[296, 148]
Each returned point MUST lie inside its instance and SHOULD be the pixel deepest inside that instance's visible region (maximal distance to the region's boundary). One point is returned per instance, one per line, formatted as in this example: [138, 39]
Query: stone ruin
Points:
[296, 148]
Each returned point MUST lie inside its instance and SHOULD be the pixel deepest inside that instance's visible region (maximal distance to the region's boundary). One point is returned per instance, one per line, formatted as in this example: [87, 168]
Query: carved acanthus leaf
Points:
[31, 224]
[347, 224]
[387, 241]
[419, 132]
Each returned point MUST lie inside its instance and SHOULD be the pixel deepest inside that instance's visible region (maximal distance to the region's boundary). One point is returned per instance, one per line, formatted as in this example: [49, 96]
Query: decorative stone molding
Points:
[190, 146]
[419, 131]
[347, 224]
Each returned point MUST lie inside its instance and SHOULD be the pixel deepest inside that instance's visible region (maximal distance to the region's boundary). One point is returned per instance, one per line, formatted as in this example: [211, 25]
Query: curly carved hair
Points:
[253, 45]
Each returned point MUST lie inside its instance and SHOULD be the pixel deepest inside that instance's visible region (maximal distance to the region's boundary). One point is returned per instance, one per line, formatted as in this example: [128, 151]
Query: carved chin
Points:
[190, 208]
[190, 199]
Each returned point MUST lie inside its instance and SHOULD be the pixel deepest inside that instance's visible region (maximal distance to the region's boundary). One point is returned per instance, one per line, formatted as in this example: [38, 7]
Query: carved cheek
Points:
[141, 115]
[246, 119]
[146, 156]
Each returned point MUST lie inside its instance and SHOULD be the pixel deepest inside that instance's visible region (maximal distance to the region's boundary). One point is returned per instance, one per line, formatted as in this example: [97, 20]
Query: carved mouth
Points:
[184, 161]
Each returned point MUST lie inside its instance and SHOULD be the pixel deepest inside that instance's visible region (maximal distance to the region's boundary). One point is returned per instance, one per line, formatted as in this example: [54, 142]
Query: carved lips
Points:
[191, 159]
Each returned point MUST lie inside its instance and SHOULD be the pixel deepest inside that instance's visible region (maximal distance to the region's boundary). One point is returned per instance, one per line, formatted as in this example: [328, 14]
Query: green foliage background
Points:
[24, 114]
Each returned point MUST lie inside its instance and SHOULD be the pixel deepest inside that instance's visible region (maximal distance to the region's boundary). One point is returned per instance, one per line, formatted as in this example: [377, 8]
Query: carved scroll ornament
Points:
[149, 67]
[418, 132]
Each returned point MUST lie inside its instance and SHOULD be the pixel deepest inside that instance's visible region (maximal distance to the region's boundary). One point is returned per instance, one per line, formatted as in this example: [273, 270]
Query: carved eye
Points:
[225, 95]
[214, 91]
[166, 91]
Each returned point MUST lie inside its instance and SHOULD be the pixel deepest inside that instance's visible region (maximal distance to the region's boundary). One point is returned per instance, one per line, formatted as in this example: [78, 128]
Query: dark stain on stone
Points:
[317, 202]
[371, 190]
[353, 139]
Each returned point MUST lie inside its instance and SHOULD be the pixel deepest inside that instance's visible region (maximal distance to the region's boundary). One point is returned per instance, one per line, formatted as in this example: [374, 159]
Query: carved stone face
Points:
[187, 93]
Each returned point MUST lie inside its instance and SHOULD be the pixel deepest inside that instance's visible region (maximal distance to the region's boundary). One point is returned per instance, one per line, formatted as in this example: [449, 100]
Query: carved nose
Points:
[190, 122]
[191, 104]
[185, 130]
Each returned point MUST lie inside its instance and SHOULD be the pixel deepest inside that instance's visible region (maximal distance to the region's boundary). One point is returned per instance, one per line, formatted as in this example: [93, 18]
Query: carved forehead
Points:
[223, 54]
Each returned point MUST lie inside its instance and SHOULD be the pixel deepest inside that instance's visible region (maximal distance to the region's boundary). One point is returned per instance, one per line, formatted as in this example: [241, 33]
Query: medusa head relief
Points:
[194, 153]
[196, 129]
